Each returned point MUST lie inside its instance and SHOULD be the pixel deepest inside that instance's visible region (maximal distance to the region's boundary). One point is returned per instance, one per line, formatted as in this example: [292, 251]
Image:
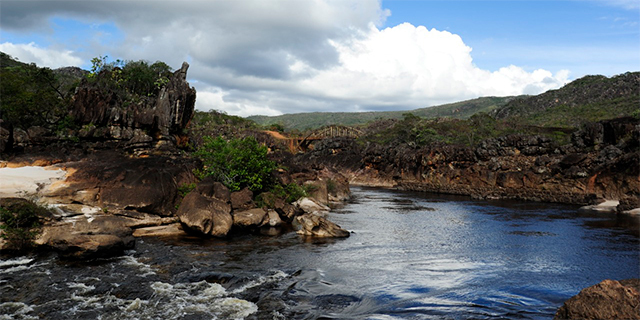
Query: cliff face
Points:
[151, 119]
[102, 115]
[600, 162]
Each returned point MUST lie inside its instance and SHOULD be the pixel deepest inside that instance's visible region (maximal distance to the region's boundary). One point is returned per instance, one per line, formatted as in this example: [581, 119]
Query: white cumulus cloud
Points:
[271, 57]
[44, 57]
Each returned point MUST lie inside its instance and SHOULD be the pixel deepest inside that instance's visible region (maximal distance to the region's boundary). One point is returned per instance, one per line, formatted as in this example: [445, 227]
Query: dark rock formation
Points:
[203, 212]
[108, 117]
[601, 162]
[242, 200]
[607, 300]
[104, 116]
[108, 179]
[317, 226]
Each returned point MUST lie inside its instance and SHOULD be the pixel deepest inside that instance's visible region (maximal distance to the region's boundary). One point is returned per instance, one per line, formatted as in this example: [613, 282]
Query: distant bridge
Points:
[296, 144]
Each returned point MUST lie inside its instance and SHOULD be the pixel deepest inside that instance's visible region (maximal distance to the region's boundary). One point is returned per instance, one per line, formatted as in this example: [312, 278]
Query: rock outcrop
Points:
[318, 226]
[207, 210]
[607, 300]
[601, 162]
[106, 116]
[88, 236]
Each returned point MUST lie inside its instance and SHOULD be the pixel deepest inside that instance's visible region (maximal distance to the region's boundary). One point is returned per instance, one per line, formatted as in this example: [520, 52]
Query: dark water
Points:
[411, 256]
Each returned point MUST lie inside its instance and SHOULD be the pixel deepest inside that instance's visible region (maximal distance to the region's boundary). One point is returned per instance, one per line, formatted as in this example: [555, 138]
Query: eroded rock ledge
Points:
[601, 162]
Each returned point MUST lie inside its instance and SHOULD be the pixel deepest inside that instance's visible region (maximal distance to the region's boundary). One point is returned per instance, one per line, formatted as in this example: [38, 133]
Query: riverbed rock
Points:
[608, 206]
[88, 236]
[317, 226]
[205, 215]
[251, 218]
[274, 219]
[607, 300]
[310, 205]
[170, 230]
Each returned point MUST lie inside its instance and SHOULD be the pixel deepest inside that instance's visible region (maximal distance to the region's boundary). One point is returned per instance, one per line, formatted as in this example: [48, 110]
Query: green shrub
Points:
[237, 163]
[185, 188]
[20, 224]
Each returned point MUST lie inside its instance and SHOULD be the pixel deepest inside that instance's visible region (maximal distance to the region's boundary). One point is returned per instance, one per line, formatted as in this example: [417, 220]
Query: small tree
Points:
[20, 224]
[237, 163]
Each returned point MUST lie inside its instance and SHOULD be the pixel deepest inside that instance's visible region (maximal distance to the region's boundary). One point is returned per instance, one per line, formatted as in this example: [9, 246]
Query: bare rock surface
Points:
[317, 226]
[205, 215]
[250, 218]
[310, 205]
[607, 300]
[88, 236]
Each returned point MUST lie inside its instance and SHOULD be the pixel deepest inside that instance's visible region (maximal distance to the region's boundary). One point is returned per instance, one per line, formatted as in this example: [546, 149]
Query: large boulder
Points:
[310, 205]
[205, 214]
[607, 300]
[242, 200]
[317, 226]
[250, 218]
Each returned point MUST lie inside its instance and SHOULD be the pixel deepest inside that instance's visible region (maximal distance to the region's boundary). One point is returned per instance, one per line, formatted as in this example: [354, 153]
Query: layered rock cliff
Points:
[601, 162]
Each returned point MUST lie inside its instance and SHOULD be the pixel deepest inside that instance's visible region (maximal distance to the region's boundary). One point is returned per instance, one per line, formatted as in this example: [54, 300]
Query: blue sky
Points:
[284, 56]
[604, 35]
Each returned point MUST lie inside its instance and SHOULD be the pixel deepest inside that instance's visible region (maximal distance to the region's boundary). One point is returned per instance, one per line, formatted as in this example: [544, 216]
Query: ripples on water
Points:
[410, 256]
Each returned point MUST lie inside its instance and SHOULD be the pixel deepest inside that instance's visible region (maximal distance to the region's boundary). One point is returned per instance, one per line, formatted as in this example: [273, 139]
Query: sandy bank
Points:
[29, 180]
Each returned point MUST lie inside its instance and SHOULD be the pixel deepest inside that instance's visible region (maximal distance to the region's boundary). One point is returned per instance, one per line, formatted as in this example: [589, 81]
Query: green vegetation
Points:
[573, 117]
[20, 224]
[217, 123]
[420, 132]
[289, 193]
[588, 99]
[237, 163]
[32, 96]
[305, 121]
[185, 188]
[130, 78]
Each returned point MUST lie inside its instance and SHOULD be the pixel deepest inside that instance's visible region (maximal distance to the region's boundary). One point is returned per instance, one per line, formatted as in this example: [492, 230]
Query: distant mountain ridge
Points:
[457, 110]
[590, 98]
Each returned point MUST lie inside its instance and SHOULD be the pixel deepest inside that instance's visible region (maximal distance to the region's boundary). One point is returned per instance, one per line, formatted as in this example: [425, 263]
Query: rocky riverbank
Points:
[122, 172]
[600, 163]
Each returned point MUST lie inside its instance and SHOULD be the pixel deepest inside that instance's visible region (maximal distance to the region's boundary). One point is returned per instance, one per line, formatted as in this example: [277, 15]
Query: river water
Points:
[410, 256]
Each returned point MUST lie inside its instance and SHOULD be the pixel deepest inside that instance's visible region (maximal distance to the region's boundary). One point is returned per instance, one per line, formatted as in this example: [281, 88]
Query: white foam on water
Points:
[15, 310]
[145, 269]
[16, 265]
[15, 262]
[199, 297]
[169, 301]
[81, 288]
[277, 276]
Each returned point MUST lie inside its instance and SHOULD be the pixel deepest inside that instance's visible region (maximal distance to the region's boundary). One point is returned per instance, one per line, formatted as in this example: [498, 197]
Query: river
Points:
[410, 256]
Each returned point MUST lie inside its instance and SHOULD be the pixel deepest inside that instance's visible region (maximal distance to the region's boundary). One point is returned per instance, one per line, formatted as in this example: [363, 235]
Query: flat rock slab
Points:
[609, 206]
[170, 230]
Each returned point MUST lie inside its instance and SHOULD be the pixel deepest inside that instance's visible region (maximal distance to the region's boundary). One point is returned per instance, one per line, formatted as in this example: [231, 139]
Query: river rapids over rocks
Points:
[410, 256]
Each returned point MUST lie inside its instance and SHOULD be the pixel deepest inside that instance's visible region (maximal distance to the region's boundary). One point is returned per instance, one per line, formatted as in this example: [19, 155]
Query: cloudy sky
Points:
[272, 57]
